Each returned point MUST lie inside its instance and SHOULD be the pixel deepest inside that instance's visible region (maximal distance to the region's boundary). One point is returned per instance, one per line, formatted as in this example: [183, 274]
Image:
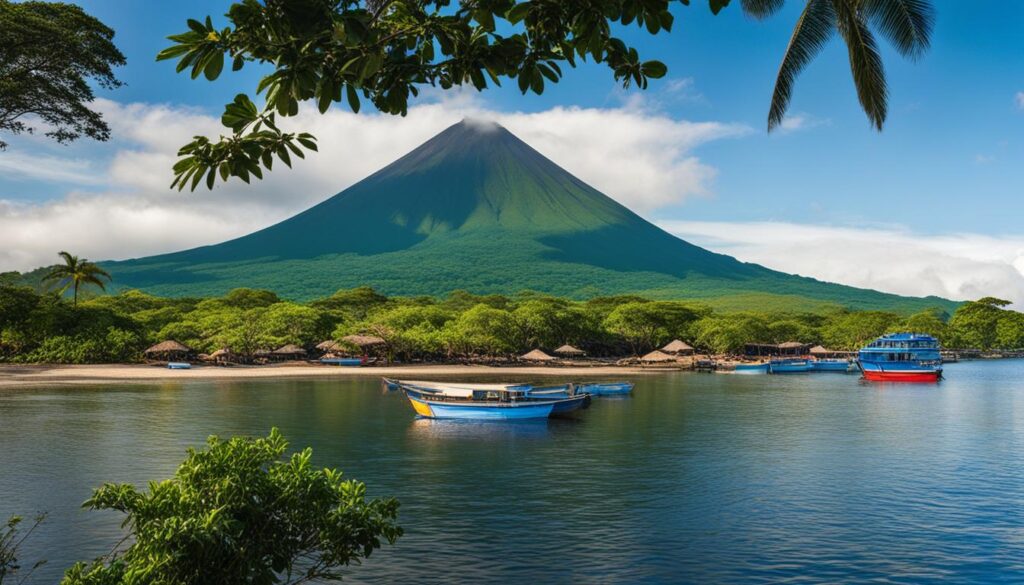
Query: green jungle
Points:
[50, 327]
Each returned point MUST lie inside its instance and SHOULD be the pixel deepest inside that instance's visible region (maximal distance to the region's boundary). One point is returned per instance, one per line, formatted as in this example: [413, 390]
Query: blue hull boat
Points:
[791, 366]
[179, 366]
[839, 366]
[347, 362]
[605, 388]
[490, 402]
[751, 369]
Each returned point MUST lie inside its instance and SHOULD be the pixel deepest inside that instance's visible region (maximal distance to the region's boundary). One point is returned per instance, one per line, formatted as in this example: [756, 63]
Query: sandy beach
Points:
[13, 376]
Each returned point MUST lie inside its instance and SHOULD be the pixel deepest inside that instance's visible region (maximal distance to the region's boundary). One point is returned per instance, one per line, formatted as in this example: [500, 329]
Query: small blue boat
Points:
[789, 366]
[498, 402]
[179, 366]
[833, 365]
[605, 388]
[751, 368]
[347, 362]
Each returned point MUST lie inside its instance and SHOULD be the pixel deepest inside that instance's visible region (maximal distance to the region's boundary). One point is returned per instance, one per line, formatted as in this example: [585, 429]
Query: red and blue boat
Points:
[901, 357]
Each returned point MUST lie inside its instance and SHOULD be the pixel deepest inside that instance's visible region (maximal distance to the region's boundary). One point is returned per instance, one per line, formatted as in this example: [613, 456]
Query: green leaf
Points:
[654, 69]
[214, 66]
[353, 98]
[718, 5]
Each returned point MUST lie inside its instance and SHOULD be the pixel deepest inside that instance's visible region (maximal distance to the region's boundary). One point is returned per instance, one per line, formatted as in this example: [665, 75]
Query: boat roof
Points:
[906, 337]
[463, 389]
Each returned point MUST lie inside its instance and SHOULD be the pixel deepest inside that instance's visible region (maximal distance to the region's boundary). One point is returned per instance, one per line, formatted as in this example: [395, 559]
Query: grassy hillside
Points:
[476, 208]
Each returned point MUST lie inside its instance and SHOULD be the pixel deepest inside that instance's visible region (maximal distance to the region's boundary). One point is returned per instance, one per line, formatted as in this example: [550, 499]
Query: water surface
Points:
[697, 478]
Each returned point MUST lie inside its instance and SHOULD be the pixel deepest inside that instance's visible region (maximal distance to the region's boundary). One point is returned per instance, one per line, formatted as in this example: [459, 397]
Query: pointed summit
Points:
[472, 208]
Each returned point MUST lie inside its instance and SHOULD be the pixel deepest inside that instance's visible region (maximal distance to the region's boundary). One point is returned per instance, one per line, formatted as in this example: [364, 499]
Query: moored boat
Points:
[491, 401]
[751, 368]
[833, 365]
[901, 357]
[789, 366]
[349, 362]
[605, 388]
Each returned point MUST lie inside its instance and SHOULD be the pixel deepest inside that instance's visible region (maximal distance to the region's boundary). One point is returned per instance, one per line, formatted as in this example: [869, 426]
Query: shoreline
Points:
[23, 376]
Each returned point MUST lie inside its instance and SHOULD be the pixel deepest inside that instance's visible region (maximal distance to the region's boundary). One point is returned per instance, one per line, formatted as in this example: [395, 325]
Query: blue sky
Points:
[947, 164]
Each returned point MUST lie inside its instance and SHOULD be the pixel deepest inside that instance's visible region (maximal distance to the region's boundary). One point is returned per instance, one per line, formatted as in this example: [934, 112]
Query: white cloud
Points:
[51, 169]
[891, 259]
[1019, 99]
[801, 121]
[123, 208]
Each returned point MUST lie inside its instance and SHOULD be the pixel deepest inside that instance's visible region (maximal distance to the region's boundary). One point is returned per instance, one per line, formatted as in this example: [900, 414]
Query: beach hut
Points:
[536, 356]
[168, 351]
[676, 347]
[222, 355]
[328, 346]
[819, 351]
[570, 351]
[657, 356]
[289, 351]
[793, 348]
[364, 341]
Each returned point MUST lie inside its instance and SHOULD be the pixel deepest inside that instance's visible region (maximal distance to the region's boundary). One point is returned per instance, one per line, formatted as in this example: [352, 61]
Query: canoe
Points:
[483, 402]
[605, 388]
[750, 369]
[179, 366]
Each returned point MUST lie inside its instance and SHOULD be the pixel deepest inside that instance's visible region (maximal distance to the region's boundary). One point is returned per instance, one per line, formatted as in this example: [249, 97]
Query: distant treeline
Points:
[47, 328]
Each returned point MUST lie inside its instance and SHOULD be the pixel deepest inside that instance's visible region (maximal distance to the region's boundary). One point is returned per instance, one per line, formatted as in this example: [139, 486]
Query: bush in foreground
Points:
[241, 512]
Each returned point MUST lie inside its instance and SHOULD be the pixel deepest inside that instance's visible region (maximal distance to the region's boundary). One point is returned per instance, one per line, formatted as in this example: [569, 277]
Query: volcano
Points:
[478, 209]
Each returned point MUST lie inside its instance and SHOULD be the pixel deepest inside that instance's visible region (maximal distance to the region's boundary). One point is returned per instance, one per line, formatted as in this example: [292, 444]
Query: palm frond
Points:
[865, 62]
[91, 279]
[760, 9]
[906, 23]
[813, 30]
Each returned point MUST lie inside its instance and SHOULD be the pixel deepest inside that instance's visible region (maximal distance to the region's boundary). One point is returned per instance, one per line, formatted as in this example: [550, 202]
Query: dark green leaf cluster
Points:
[336, 51]
[241, 511]
[12, 537]
[49, 54]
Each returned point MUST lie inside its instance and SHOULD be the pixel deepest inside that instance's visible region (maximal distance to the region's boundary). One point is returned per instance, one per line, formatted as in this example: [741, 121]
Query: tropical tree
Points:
[51, 55]
[386, 51]
[75, 273]
[907, 24]
[241, 511]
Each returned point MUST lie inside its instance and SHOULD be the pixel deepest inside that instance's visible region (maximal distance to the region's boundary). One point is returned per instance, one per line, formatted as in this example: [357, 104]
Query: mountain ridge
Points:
[477, 208]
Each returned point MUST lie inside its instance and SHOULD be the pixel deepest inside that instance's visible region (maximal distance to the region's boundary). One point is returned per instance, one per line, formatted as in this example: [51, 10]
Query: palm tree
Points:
[76, 272]
[906, 23]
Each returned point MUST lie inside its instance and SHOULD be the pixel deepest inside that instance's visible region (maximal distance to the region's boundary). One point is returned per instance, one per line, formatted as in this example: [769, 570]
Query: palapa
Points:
[289, 349]
[536, 356]
[657, 356]
[363, 340]
[570, 350]
[169, 346]
[677, 346]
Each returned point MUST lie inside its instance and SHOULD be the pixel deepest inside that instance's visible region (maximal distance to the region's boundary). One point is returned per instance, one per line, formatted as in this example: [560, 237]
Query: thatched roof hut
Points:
[289, 350]
[168, 349]
[220, 353]
[363, 341]
[327, 346]
[819, 350]
[657, 357]
[678, 347]
[570, 350]
[536, 356]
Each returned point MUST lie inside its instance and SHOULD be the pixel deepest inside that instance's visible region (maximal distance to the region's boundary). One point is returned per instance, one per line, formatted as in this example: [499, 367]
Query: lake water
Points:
[696, 478]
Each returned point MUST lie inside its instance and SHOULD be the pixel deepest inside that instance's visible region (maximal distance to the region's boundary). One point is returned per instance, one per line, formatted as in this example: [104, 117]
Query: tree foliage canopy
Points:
[50, 52]
[242, 512]
[385, 51]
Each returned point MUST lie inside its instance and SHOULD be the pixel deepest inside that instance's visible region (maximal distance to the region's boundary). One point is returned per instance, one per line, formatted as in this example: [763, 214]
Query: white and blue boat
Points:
[789, 366]
[751, 368]
[833, 365]
[179, 366]
[902, 357]
[498, 402]
[344, 362]
[605, 388]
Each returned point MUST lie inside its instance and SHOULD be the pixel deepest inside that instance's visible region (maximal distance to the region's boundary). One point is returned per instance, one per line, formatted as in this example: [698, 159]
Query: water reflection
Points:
[427, 429]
